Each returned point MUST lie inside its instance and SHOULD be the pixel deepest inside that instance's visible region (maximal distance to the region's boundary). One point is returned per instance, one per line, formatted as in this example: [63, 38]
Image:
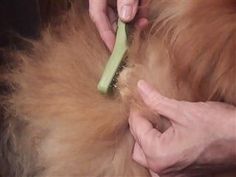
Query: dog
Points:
[54, 122]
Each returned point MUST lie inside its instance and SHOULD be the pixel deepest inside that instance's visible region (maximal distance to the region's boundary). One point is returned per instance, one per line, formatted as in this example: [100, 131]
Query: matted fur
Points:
[56, 123]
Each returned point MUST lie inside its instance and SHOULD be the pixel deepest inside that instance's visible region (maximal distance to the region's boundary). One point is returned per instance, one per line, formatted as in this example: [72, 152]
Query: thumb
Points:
[158, 103]
[127, 9]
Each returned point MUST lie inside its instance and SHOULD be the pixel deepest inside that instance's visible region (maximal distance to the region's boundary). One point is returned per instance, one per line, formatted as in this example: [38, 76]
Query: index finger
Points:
[98, 13]
[169, 108]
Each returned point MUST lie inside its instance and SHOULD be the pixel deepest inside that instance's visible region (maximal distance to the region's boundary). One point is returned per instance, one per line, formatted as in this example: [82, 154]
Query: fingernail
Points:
[126, 12]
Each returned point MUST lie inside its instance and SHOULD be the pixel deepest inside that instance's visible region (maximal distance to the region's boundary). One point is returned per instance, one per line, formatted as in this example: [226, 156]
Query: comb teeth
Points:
[115, 78]
[114, 64]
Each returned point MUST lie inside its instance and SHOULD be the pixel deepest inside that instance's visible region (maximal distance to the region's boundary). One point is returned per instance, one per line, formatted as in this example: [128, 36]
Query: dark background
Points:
[27, 17]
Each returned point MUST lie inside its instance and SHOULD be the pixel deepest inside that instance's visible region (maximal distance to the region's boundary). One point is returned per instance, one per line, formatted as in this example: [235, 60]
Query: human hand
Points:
[105, 17]
[201, 135]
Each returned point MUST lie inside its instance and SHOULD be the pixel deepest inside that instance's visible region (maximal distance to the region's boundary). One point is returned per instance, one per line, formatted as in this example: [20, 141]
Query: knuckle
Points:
[91, 15]
[157, 165]
[94, 15]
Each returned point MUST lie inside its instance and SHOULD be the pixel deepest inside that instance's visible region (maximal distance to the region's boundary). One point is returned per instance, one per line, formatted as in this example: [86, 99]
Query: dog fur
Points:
[55, 123]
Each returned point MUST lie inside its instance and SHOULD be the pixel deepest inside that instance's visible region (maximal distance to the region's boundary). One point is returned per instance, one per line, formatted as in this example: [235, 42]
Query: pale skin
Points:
[202, 134]
[105, 18]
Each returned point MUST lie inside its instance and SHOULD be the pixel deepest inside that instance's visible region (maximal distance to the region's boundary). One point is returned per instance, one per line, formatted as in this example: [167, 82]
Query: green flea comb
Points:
[115, 60]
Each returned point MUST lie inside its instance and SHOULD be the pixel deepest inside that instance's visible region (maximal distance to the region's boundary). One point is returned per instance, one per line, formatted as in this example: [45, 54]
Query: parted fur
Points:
[55, 123]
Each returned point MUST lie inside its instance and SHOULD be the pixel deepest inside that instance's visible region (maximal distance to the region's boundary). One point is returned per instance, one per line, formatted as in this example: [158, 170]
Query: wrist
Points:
[229, 139]
[230, 129]
[230, 132]
[219, 153]
[222, 149]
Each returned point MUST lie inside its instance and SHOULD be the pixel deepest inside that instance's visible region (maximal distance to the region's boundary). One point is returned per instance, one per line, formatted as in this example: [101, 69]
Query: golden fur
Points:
[57, 124]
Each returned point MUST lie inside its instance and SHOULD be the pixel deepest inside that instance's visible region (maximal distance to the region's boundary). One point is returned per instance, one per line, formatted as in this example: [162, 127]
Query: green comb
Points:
[115, 60]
